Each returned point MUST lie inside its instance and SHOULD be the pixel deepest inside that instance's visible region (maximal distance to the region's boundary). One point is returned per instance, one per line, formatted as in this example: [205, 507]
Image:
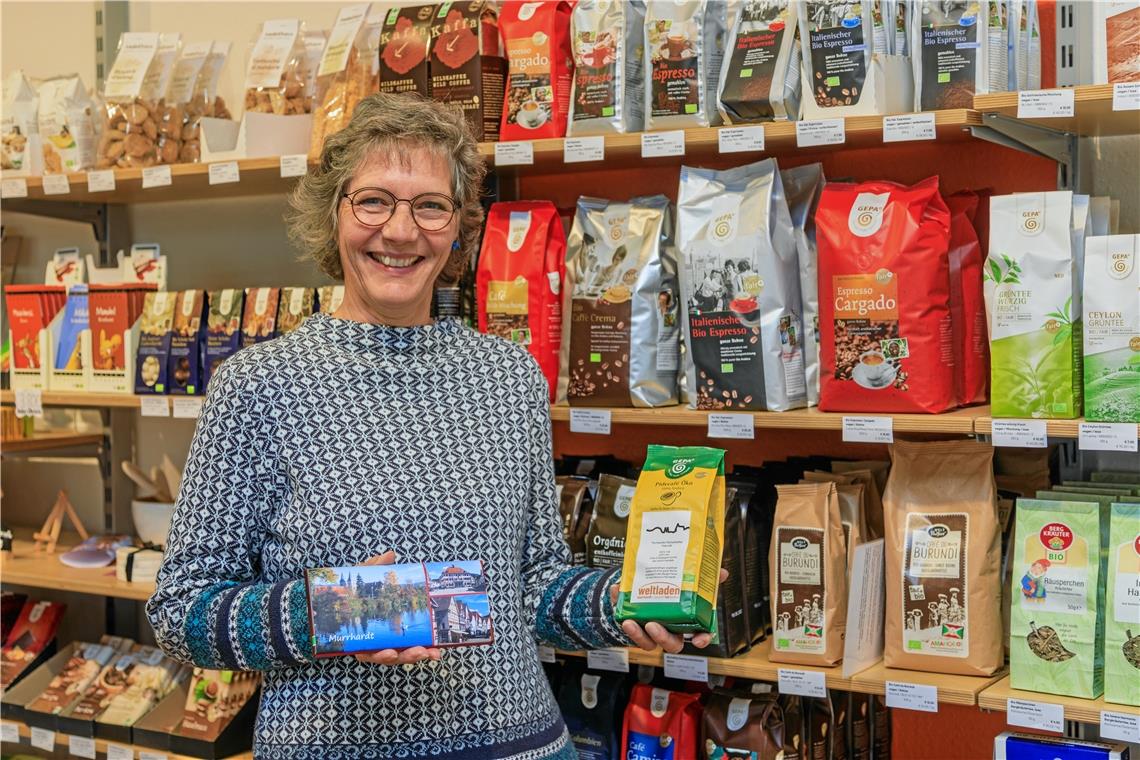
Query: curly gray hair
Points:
[393, 125]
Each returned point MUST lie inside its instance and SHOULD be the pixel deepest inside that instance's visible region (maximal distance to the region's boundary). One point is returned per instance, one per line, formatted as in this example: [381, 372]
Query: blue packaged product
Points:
[153, 354]
[223, 330]
[1014, 746]
[68, 357]
[184, 371]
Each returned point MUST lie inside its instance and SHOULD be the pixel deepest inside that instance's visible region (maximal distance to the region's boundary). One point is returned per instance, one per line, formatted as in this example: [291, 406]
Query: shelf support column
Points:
[1036, 140]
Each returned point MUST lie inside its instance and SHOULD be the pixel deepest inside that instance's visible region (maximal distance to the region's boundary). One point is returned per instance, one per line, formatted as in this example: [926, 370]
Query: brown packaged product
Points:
[794, 743]
[808, 567]
[859, 729]
[204, 101]
[740, 725]
[851, 509]
[259, 322]
[405, 40]
[874, 482]
[576, 507]
[826, 723]
[468, 67]
[69, 684]
[943, 559]
[880, 728]
[275, 78]
[605, 541]
[295, 305]
[343, 77]
[214, 698]
[880, 469]
[130, 133]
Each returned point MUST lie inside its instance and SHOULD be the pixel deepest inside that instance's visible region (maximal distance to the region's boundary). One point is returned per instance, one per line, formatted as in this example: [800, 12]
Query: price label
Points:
[576, 150]
[596, 421]
[614, 660]
[546, 654]
[686, 667]
[224, 172]
[119, 752]
[296, 165]
[912, 696]
[907, 127]
[81, 746]
[1045, 104]
[17, 187]
[154, 406]
[868, 430]
[29, 402]
[187, 407]
[1120, 726]
[514, 153]
[1026, 434]
[43, 739]
[732, 426]
[101, 181]
[740, 139]
[156, 176]
[1107, 436]
[1126, 96]
[56, 184]
[820, 132]
[805, 683]
[146, 754]
[657, 144]
[1042, 715]
[10, 732]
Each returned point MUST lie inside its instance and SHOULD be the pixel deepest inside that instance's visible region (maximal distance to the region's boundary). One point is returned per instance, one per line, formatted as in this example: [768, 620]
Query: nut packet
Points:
[204, 102]
[18, 123]
[67, 125]
[344, 75]
[174, 113]
[130, 137]
[275, 77]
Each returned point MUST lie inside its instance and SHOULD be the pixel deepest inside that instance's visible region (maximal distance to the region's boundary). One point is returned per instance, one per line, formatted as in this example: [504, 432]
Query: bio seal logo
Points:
[799, 543]
[866, 215]
[1120, 264]
[1056, 538]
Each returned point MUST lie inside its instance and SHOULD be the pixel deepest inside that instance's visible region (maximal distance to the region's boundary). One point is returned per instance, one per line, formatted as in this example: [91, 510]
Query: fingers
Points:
[383, 657]
[701, 640]
[723, 575]
[633, 630]
[613, 594]
[387, 558]
[417, 654]
[402, 657]
[672, 643]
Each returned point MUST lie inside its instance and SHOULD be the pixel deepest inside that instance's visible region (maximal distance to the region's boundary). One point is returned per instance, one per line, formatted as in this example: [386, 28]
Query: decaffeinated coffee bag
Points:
[943, 563]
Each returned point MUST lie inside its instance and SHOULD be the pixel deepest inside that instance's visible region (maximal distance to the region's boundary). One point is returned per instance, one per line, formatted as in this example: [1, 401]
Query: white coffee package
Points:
[685, 42]
[608, 94]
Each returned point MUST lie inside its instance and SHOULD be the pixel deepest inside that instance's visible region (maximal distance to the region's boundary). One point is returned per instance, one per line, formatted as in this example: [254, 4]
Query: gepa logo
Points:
[1032, 222]
[937, 531]
[1120, 264]
[866, 217]
[680, 467]
[722, 227]
[800, 543]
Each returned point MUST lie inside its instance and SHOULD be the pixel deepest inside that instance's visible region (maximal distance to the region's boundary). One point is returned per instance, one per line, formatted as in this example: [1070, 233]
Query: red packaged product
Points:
[967, 301]
[661, 724]
[33, 631]
[109, 310]
[886, 343]
[30, 310]
[519, 280]
[540, 69]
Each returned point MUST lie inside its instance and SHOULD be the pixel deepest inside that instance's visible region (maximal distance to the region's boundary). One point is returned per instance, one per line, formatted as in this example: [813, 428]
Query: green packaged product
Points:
[1122, 609]
[1112, 329]
[674, 540]
[1128, 478]
[1057, 611]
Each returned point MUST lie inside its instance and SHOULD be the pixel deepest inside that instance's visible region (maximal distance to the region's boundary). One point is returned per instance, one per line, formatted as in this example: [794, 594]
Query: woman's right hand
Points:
[393, 656]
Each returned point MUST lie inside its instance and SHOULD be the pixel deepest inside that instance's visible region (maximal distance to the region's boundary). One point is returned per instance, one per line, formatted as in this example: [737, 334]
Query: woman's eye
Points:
[430, 206]
[373, 202]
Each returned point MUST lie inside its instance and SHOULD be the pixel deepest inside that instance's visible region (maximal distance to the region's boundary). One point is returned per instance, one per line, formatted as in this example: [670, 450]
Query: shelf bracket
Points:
[1036, 140]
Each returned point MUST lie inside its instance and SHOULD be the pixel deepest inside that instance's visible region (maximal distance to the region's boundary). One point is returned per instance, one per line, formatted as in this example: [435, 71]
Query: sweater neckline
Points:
[363, 336]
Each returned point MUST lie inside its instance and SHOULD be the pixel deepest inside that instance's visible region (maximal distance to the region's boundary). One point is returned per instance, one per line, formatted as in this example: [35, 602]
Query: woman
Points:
[377, 435]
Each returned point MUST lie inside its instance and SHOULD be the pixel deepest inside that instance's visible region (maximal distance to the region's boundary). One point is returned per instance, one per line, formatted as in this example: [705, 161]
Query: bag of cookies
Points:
[344, 76]
[275, 77]
[173, 116]
[130, 138]
[18, 123]
[67, 125]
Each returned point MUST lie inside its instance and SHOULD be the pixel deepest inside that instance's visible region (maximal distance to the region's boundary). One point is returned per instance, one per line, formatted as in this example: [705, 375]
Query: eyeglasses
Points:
[374, 206]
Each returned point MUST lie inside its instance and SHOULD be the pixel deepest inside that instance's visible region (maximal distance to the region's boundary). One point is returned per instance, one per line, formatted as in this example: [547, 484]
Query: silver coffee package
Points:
[621, 310]
[608, 95]
[760, 76]
[684, 46]
[838, 41]
[741, 288]
[803, 186]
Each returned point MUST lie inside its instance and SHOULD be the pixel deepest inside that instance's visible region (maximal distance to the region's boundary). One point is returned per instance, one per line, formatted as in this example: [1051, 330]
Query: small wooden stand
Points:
[47, 537]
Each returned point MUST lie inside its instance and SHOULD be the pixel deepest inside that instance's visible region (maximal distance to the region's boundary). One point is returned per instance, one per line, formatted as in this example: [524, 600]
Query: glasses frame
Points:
[350, 197]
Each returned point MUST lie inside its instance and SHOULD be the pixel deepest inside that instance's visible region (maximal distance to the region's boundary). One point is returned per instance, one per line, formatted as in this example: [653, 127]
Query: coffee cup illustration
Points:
[531, 114]
[677, 45]
[874, 370]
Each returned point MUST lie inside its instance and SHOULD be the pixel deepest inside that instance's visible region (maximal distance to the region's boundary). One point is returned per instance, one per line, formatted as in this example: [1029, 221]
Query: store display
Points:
[187, 344]
[405, 40]
[67, 125]
[519, 280]
[884, 307]
[620, 311]
[591, 705]
[295, 306]
[1122, 607]
[1111, 329]
[155, 332]
[275, 76]
[659, 720]
[740, 286]
[950, 53]
[223, 329]
[18, 124]
[259, 320]
[605, 540]
[967, 303]
[608, 93]
[468, 65]
[576, 508]
[151, 679]
[684, 48]
[802, 187]
[28, 639]
[760, 75]
[943, 559]
[540, 69]
[343, 75]
[369, 608]
[837, 43]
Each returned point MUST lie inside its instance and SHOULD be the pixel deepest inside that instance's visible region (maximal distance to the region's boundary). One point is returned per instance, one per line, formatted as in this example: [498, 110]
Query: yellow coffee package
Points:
[674, 540]
[943, 559]
[808, 567]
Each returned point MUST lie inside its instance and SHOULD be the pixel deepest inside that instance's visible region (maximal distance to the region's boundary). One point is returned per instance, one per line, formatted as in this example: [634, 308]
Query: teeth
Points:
[397, 263]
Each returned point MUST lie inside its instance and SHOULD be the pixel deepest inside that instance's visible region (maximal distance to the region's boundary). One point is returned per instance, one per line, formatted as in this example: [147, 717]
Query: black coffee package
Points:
[576, 507]
[591, 705]
[756, 531]
[880, 728]
[760, 76]
[733, 627]
[605, 541]
[859, 726]
[950, 53]
[825, 720]
[794, 727]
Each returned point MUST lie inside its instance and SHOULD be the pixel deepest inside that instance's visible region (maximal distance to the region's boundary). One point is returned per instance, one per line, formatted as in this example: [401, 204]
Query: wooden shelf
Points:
[1093, 114]
[1055, 428]
[997, 696]
[954, 690]
[79, 399]
[61, 744]
[27, 568]
[48, 442]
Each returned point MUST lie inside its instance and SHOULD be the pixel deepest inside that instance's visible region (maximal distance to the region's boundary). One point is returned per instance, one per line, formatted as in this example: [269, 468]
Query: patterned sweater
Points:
[334, 444]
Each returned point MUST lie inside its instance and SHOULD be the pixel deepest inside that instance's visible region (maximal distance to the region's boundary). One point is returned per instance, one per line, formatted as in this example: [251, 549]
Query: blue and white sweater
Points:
[336, 443]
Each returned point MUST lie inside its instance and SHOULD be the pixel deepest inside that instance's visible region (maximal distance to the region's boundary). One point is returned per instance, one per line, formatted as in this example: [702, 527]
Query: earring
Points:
[455, 245]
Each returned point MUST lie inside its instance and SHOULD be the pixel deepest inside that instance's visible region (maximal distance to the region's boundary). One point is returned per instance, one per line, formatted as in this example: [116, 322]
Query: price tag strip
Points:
[1119, 726]
[101, 181]
[727, 425]
[613, 660]
[156, 176]
[81, 746]
[804, 683]
[1028, 434]
[1107, 436]
[868, 430]
[576, 150]
[296, 165]
[1045, 716]
[657, 144]
[595, 421]
[740, 139]
[1045, 104]
[514, 153]
[686, 667]
[119, 752]
[912, 696]
[224, 173]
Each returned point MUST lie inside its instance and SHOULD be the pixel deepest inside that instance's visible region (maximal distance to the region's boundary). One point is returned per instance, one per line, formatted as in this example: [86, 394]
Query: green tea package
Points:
[1122, 608]
[1112, 329]
[1033, 301]
[1057, 611]
[674, 540]
[1107, 476]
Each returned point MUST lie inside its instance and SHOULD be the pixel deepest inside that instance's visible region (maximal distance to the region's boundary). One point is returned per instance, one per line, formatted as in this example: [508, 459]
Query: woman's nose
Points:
[401, 226]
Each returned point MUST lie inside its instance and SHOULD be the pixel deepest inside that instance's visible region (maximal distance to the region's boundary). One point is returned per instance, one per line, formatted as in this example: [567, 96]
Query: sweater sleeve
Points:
[210, 607]
[569, 606]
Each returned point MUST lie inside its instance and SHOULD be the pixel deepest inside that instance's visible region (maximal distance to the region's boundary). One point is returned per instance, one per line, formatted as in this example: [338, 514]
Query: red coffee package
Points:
[967, 301]
[661, 724]
[884, 298]
[540, 69]
[519, 280]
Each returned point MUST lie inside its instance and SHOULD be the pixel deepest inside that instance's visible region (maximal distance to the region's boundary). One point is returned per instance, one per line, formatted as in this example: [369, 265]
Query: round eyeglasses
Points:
[374, 206]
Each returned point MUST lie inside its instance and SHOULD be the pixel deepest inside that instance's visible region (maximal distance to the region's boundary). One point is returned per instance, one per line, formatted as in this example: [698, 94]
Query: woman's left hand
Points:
[654, 635]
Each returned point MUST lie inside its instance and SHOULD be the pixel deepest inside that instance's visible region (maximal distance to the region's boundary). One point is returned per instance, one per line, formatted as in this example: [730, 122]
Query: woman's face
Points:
[390, 271]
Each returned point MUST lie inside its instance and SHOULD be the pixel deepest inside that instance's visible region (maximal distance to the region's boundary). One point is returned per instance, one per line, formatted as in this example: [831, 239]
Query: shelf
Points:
[1092, 108]
[27, 568]
[1055, 428]
[48, 442]
[1084, 710]
[953, 690]
[80, 399]
[62, 746]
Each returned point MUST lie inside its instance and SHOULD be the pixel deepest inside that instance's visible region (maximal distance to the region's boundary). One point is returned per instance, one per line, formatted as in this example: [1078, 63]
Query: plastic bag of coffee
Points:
[826, 722]
[838, 41]
[808, 567]
[540, 69]
[794, 743]
[468, 68]
[967, 302]
[802, 187]
[591, 704]
[740, 284]
[872, 493]
[661, 723]
[859, 726]
[760, 77]
[605, 540]
[949, 53]
[736, 725]
[734, 629]
[608, 95]
[405, 40]
[755, 518]
[684, 47]
[576, 507]
[943, 559]
[621, 313]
